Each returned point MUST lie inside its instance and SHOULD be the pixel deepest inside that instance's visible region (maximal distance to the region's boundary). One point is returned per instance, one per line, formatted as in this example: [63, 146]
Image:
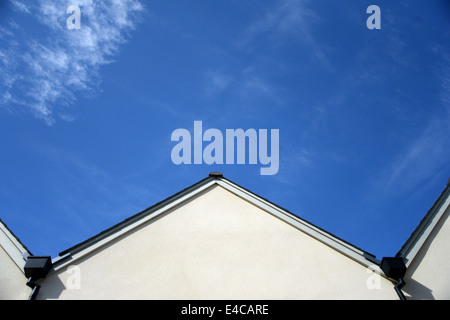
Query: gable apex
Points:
[214, 179]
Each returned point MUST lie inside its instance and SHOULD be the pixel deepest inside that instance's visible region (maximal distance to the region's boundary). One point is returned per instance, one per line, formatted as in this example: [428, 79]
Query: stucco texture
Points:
[216, 246]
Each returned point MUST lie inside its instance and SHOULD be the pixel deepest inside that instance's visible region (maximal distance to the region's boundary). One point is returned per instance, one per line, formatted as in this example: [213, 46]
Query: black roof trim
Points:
[211, 176]
[15, 236]
[216, 174]
[306, 221]
[106, 232]
[425, 220]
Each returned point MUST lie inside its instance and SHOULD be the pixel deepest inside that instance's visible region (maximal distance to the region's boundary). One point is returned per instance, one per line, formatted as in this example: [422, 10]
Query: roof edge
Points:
[423, 230]
[309, 228]
[214, 178]
[107, 232]
[12, 245]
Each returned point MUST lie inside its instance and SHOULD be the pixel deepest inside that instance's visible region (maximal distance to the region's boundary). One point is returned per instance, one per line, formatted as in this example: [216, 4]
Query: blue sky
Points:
[86, 116]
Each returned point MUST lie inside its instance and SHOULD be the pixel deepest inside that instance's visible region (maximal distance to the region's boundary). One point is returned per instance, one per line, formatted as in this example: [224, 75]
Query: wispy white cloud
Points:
[19, 5]
[287, 16]
[279, 23]
[247, 85]
[428, 154]
[45, 73]
[444, 74]
[424, 157]
[110, 198]
[288, 20]
[217, 82]
[87, 194]
[254, 82]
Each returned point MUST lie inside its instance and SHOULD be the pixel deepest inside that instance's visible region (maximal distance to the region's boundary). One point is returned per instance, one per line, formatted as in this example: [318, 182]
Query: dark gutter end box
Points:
[393, 268]
[37, 267]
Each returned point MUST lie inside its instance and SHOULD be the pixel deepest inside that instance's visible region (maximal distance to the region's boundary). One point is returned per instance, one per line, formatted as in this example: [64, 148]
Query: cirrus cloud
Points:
[43, 73]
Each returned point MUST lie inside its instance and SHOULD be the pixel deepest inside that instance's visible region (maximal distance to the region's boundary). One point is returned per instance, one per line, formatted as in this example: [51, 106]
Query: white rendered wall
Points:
[12, 280]
[216, 246]
[428, 276]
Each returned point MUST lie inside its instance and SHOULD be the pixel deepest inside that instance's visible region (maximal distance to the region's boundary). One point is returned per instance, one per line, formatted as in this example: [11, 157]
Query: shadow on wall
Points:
[53, 286]
[51, 289]
[417, 291]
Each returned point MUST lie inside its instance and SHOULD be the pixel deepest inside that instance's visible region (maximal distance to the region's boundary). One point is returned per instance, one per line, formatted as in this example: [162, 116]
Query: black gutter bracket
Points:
[395, 269]
[398, 288]
[35, 288]
[36, 267]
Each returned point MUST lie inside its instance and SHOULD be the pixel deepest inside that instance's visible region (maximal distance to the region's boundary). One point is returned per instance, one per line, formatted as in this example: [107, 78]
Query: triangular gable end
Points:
[215, 179]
